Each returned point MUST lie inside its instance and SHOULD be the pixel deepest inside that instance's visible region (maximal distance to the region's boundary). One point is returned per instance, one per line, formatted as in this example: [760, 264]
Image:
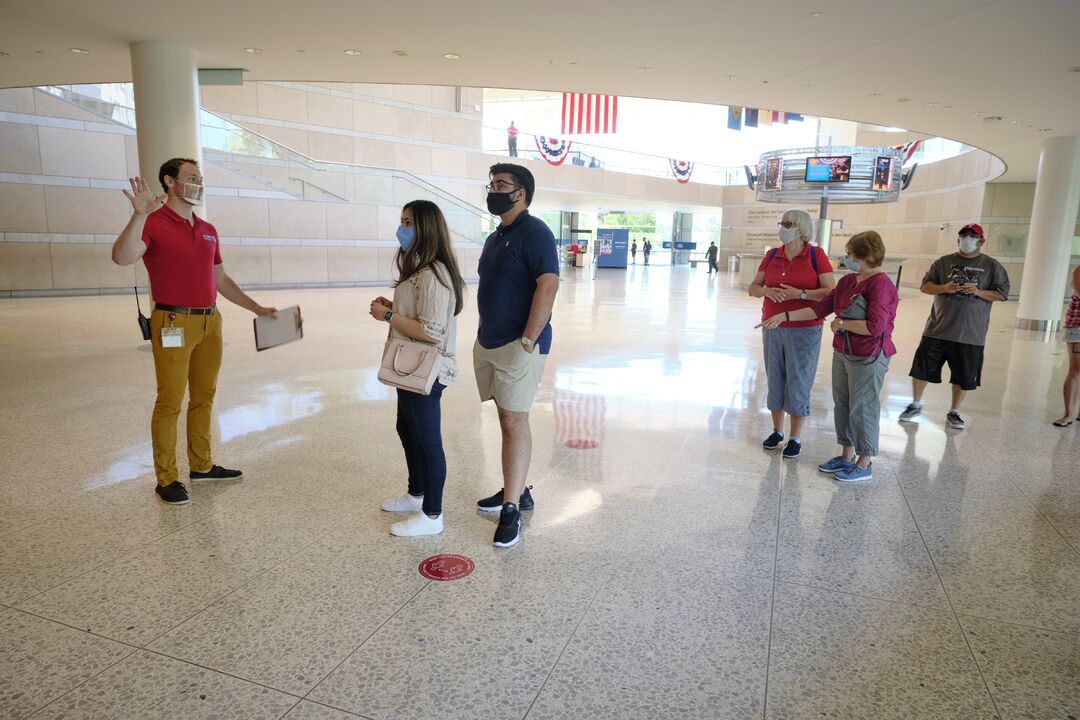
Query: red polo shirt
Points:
[797, 272]
[180, 259]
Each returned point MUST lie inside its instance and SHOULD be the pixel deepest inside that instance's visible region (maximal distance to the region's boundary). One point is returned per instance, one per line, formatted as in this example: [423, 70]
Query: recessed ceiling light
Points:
[301, 51]
[80, 51]
[932, 104]
[253, 51]
[451, 56]
[903, 100]
[978, 112]
[992, 118]
[354, 52]
[573, 63]
[1075, 69]
[816, 13]
[730, 77]
[4, 54]
[643, 69]
[1015, 122]
[401, 53]
[873, 95]
[39, 52]
[551, 62]
[1046, 130]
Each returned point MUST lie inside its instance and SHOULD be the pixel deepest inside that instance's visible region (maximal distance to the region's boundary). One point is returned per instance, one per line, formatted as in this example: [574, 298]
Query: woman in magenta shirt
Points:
[865, 306]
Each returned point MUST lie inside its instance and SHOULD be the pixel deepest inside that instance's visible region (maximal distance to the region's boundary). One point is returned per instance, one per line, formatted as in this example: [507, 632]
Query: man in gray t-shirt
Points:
[964, 284]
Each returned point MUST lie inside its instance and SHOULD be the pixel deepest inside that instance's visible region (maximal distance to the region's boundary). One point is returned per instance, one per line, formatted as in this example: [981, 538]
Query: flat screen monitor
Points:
[882, 179]
[774, 173]
[828, 169]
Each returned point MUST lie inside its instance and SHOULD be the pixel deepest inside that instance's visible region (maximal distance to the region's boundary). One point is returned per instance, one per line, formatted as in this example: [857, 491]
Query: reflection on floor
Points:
[674, 571]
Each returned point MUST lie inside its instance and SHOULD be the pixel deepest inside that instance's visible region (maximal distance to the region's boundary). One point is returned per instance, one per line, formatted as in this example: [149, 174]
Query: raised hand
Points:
[143, 202]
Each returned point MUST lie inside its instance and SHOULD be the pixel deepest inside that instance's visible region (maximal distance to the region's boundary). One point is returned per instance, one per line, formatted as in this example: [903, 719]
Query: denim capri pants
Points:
[791, 358]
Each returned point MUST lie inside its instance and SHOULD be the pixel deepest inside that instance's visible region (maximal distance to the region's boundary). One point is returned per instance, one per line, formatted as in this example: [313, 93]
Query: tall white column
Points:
[166, 82]
[1053, 222]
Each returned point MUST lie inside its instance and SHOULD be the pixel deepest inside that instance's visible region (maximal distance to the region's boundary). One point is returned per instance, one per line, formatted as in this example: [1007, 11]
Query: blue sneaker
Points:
[854, 473]
[835, 465]
[773, 441]
[792, 450]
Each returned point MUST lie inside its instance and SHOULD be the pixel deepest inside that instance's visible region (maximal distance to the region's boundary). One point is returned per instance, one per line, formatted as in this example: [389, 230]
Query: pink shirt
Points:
[881, 301]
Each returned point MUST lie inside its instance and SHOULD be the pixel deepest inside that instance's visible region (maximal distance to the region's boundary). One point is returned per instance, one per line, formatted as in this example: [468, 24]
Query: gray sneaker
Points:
[911, 412]
[955, 421]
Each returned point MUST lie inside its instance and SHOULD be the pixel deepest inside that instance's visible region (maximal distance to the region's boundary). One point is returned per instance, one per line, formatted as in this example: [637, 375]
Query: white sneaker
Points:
[405, 503]
[418, 524]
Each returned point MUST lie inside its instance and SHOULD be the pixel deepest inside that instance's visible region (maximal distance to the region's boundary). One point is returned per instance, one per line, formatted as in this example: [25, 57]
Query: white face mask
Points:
[969, 244]
[789, 235]
[193, 194]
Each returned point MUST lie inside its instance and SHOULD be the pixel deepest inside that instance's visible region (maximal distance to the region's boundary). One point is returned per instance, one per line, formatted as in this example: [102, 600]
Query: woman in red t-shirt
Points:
[791, 277]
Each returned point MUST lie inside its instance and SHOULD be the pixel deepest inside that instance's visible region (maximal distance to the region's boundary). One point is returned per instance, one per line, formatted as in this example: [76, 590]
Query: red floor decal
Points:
[446, 567]
[580, 444]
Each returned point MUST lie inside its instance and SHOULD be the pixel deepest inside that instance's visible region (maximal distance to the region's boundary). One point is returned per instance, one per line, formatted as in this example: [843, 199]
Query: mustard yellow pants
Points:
[195, 365]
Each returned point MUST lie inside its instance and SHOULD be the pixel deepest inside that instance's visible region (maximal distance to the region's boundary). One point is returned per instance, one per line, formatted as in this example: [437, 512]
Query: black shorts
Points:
[965, 362]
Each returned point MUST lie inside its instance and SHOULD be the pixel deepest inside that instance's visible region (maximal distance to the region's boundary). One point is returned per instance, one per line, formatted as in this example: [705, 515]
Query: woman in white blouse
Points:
[428, 295]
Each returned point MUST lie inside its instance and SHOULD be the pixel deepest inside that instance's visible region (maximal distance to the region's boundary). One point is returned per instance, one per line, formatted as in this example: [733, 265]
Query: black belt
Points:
[186, 310]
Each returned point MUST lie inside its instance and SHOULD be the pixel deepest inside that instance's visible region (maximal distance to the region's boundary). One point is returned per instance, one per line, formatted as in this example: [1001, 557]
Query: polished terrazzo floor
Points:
[675, 571]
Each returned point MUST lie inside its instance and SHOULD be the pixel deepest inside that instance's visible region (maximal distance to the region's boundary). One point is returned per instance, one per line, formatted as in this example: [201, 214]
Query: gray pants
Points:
[856, 391]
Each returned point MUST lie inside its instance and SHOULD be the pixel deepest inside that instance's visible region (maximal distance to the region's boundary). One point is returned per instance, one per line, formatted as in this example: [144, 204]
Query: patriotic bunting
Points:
[553, 150]
[583, 113]
[682, 170]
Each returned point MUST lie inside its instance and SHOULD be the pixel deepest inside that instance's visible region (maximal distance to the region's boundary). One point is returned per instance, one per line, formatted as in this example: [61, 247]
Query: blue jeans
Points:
[791, 358]
[419, 425]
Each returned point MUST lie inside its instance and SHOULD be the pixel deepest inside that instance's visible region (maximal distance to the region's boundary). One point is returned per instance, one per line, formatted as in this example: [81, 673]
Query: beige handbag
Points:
[410, 365]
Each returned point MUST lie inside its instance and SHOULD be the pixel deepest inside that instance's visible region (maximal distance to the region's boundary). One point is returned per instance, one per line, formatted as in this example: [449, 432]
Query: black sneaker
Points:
[215, 473]
[495, 502]
[773, 441]
[509, 530]
[173, 494]
[792, 450]
[955, 421]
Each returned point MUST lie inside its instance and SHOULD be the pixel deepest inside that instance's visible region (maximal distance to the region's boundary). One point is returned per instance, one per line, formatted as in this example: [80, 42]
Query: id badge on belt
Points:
[172, 337]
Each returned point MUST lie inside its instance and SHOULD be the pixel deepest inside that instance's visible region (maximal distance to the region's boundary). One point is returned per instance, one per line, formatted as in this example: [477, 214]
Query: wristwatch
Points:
[802, 295]
[526, 342]
[388, 316]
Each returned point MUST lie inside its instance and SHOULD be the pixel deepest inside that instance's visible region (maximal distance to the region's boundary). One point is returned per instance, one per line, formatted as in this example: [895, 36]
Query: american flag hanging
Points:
[907, 150]
[583, 113]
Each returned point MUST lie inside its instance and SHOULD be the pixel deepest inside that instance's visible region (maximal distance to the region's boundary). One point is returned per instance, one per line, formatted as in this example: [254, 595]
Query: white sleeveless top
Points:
[422, 297]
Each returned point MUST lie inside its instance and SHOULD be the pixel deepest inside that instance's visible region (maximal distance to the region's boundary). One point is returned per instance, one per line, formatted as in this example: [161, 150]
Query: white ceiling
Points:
[1003, 57]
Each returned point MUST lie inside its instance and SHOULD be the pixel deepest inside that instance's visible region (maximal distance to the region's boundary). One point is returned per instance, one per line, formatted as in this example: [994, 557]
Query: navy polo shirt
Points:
[512, 259]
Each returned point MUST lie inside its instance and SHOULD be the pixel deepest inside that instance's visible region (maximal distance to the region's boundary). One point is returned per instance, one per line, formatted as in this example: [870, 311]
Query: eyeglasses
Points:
[787, 224]
[501, 186]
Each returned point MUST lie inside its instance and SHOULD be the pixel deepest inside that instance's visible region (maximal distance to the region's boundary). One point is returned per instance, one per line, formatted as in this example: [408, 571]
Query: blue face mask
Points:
[405, 236]
[851, 264]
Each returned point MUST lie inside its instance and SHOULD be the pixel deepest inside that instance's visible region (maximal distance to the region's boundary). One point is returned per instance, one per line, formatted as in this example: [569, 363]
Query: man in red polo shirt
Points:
[183, 259]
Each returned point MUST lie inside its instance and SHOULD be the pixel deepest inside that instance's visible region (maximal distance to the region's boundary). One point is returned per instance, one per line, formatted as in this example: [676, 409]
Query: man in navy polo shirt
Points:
[519, 276]
[183, 260]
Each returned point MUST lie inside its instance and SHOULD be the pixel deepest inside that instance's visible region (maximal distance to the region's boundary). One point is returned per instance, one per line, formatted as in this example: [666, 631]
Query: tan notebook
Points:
[285, 328]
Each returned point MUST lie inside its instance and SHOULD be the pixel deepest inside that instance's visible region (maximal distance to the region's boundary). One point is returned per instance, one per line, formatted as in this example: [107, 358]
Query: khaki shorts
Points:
[508, 375]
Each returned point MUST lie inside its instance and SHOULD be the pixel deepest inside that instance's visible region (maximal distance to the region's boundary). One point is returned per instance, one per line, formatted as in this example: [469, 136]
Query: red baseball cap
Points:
[973, 227]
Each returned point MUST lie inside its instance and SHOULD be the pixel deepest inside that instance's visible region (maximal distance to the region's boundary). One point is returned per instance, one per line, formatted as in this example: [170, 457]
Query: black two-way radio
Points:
[144, 322]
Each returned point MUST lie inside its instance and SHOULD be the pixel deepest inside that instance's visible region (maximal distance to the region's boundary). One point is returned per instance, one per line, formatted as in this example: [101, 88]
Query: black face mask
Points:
[499, 203]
